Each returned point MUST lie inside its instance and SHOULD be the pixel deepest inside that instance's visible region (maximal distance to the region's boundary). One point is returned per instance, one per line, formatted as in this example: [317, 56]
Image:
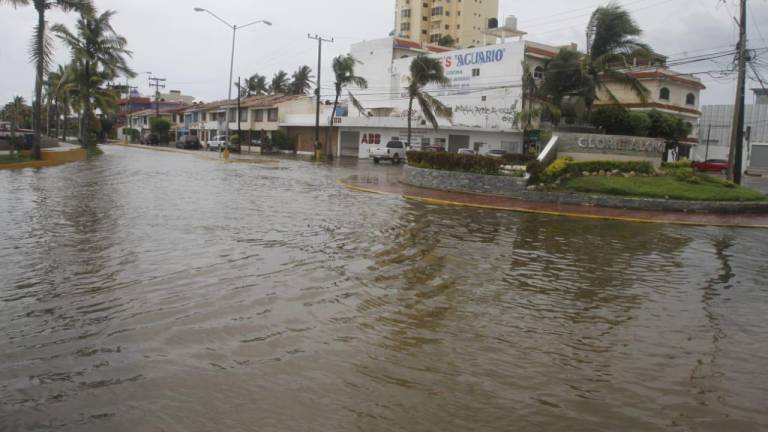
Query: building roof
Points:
[660, 73]
[134, 100]
[409, 44]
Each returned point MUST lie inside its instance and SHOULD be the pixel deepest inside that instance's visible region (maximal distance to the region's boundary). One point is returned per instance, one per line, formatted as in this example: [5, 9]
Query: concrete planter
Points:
[515, 187]
[456, 181]
[629, 203]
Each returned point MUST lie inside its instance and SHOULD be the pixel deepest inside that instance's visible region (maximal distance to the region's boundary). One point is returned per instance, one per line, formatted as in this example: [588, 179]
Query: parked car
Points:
[394, 151]
[497, 153]
[151, 139]
[434, 149]
[466, 151]
[217, 143]
[189, 142]
[712, 165]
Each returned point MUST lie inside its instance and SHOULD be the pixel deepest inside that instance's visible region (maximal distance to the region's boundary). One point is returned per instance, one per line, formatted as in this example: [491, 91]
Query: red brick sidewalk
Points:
[376, 184]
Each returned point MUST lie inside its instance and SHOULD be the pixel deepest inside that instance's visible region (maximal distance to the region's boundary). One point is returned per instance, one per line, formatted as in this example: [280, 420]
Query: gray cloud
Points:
[192, 49]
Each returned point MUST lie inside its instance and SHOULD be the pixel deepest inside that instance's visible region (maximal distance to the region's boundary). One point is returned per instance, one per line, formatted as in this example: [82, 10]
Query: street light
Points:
[234, 28]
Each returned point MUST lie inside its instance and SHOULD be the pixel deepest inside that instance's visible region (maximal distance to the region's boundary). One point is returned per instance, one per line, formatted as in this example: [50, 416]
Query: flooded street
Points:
[151, 291]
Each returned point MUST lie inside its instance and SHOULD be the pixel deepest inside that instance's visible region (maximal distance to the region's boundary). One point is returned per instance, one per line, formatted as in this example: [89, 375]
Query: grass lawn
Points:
[710, 189]
[6, 159]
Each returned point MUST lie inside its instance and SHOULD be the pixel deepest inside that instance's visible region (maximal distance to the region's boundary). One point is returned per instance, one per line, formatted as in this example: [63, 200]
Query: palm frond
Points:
[41, 53]
[356, 103]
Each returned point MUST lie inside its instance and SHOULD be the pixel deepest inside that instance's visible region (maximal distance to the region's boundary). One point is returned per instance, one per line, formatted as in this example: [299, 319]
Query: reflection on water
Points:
[150, 291]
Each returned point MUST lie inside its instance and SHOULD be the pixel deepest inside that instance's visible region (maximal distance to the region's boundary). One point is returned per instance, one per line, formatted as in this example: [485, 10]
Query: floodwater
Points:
[149, 291]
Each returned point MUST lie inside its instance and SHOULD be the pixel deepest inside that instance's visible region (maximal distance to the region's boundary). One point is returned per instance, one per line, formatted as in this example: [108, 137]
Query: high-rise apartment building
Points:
[427, 21]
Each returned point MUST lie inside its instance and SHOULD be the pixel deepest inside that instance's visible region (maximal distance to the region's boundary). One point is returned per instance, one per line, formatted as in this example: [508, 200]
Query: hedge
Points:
[567, 167]
[455, 162]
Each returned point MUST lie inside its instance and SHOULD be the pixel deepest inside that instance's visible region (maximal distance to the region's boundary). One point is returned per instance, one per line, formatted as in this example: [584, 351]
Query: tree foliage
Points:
[425, 71]
[301, 81]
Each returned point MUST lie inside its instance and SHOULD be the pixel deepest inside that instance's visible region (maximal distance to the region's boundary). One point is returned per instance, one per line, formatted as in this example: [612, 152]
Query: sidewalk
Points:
[387, 185]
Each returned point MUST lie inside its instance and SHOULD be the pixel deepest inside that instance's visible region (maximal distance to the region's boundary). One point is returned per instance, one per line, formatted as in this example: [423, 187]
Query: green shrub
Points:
[677, 164]
[160, 127]
[281, 140]
[534, 168]
[132, 134]
[234, 139]
[557, 169]
[566, 167]
[684, 174]
[517, 159]
[456, 162]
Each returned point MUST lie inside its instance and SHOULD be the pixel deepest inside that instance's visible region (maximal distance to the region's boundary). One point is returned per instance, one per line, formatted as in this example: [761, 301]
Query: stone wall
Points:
[505, 186]
[629, 203]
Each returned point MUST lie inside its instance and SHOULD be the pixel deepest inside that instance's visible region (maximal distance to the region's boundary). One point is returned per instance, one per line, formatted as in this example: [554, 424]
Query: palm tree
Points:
[301, 81]
[41, 51]
[425, 71]
[344, 72]
[98, 56]
[256, 85]
[280, 83]
[611, 42]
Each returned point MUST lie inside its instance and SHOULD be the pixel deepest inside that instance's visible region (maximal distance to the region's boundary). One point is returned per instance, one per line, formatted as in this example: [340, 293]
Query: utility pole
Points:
[709, 134]
[157, 83]
[320, 40]
[239, 131]
[737, 133]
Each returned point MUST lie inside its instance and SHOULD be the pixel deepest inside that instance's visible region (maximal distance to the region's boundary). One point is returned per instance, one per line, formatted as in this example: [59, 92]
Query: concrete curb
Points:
[511, 187]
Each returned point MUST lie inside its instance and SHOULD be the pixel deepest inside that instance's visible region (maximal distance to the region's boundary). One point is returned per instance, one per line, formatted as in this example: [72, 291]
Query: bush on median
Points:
[456, 162]
[567, 167]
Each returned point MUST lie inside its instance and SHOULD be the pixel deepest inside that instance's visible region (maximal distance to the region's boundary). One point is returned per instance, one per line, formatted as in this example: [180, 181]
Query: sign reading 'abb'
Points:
[371, 139]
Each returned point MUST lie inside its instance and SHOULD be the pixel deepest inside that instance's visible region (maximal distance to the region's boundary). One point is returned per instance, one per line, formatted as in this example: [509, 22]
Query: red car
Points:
[712, 165]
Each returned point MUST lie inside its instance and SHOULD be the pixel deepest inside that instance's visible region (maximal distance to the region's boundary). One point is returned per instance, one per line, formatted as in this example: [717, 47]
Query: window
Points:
[406, 26]
[272, 115]
[664, 94]
[405, 13]
[243, 114]
[690, 99]
[437, 11]
[203, 116]
[258, 116]
[538, 73]
[232, 112]
[395, 145]
[476, 72]
[435, 38]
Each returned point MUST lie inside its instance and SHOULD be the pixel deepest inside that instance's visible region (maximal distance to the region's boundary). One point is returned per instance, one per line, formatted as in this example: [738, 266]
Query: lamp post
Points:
[234, 28]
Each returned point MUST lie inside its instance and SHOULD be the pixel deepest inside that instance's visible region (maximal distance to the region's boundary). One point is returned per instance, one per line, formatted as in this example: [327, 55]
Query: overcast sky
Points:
[192, 49]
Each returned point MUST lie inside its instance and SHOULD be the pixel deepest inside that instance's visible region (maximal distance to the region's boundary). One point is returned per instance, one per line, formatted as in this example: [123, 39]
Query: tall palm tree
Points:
[280, 83]
[255, 85]
[41, 51]
[344, 73]
[611, 43]
[99, 55]
[301, 81]
[425, 71]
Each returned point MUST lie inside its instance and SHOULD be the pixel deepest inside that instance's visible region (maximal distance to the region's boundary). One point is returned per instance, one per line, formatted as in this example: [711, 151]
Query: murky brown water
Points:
[146, 291]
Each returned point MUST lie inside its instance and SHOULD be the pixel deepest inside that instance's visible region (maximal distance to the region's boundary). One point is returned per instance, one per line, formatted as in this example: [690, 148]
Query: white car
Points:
[217, 143]
[496, 153]
[466, 151]
[393, 151]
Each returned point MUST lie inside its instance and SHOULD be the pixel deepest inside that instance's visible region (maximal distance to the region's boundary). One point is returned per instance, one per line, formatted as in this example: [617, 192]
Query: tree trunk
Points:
[87, 114]
[38, 106]
[58, 117]
[410, 115]
[330, 126]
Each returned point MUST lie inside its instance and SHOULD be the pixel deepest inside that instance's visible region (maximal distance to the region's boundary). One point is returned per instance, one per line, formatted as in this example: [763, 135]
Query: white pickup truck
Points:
[217, 143]
[393, 151]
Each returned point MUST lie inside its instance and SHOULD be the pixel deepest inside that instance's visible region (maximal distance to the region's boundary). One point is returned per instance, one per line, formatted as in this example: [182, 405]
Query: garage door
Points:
[456, 142]
[350, 144]
[759, 157]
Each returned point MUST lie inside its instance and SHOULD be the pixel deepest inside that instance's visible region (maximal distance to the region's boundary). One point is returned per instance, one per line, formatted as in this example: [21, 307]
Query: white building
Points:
[715, 134]
[485, 94]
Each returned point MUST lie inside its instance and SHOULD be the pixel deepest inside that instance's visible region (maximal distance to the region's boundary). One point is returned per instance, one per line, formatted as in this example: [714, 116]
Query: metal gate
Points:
[456, 142]
[759, 157]
[350, 144]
